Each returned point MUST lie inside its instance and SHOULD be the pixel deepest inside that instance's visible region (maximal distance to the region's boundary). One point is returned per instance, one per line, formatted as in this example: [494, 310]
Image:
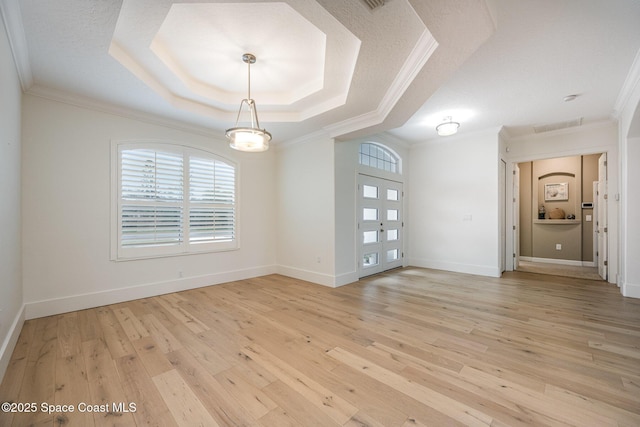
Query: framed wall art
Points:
[553, 192]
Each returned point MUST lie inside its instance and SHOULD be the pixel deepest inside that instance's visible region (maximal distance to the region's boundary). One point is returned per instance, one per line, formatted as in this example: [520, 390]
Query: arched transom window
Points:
[379, 157]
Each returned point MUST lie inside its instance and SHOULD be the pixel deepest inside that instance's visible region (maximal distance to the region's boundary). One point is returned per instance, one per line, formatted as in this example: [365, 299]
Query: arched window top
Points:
[379, 157]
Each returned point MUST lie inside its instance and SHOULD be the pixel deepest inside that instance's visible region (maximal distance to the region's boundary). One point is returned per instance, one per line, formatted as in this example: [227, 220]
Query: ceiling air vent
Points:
[558, 125]
[374, 3]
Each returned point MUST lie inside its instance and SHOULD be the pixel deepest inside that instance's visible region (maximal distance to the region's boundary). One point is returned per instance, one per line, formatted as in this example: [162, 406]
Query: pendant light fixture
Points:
[252, 139]
[448, 127]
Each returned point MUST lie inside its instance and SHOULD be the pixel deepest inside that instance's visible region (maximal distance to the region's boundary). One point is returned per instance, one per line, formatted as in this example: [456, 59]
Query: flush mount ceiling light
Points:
[448, 127]
[252, 139]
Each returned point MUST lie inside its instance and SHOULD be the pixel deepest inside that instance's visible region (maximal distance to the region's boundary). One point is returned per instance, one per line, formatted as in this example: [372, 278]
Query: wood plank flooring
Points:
[411, 347]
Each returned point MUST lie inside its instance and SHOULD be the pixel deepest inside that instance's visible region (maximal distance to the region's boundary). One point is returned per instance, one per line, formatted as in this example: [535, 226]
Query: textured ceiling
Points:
[323, 66]
[542, 51]
[332, 66]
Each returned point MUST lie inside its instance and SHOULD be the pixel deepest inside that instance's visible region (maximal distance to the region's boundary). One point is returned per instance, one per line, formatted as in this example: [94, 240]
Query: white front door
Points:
[379, 225]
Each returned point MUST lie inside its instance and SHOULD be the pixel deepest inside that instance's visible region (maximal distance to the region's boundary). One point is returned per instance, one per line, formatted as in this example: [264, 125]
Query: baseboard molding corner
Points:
[307, 275]
[346, 278]
[10, 341]
[631, 290]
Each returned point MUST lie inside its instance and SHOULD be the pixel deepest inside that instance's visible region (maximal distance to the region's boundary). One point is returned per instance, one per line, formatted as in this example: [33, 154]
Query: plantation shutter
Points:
[172, 200]
[152, 187]
[211, 200]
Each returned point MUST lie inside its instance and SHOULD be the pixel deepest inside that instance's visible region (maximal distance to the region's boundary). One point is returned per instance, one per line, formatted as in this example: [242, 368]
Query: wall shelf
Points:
[557, 221]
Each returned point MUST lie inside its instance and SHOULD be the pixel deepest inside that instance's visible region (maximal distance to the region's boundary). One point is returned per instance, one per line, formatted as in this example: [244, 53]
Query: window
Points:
[379, 157]
[172, 200]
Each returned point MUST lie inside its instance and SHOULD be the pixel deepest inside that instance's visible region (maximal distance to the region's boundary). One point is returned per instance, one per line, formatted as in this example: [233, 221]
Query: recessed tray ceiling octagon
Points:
[191, 54]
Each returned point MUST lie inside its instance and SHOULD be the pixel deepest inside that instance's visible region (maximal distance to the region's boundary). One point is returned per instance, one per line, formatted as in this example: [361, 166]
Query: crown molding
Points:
[420, 54]
[12, 18]
[628, 88]
[128, 113]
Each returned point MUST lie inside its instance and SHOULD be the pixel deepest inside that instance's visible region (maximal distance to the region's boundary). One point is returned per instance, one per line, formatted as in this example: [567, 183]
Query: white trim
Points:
[628, 87]
[558, 261]
[119, 253]
[12, 17]
[346, 279]
[480, 270]
[307, 275]
[66, 304]
[421, 52]
[631, 290]
[9, 344]
[127, 113]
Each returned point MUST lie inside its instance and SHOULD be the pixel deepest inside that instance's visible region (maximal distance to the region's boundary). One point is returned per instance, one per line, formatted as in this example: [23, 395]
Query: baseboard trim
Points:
[11, 340]
[479, 270]
[307, 275]
[631, 290]
[54, 306]
[345, 279]
[556, 261]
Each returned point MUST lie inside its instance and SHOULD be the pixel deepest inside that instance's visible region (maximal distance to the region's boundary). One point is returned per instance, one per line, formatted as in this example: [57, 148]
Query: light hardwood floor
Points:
[411, 347]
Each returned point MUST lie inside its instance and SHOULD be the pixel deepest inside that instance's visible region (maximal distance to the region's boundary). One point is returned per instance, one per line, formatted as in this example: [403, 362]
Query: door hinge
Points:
[606, 263]
[514, 227]
[606, 196]
[513, 172]
[605, 230]
[514, 255]
[402, 254]
[605, 163]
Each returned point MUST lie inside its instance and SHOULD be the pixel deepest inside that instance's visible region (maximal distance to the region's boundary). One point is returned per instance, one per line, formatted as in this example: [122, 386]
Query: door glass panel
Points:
[392, 214]
[369, 191]
[370, 237]
[392, 255]
[370, 214]
[392, 194]
[369, 260]
[392, 235]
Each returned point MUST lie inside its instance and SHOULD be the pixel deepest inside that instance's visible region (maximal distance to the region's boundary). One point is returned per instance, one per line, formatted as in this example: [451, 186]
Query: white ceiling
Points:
[331, 66]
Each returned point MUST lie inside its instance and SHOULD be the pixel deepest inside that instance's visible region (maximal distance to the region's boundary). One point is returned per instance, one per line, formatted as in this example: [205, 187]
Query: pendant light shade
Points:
[448, 127]
[248, 138]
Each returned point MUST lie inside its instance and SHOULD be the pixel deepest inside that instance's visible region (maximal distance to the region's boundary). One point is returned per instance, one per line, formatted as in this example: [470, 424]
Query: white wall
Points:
[589, 139]
[66, 213]
[306, 200]
[453, 204]
[11, 312]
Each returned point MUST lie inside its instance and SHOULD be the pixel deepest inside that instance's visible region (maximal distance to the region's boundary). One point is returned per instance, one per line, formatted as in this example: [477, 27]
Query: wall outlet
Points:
[558, 247]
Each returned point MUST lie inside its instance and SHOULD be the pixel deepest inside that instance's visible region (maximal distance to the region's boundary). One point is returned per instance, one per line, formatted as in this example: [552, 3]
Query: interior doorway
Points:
[572, 243]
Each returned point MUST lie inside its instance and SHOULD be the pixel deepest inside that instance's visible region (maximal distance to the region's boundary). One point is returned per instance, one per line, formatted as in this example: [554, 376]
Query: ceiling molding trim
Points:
[628, 87]
[12, 18]
[420, 54]
[127, 113]
[302, 139]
